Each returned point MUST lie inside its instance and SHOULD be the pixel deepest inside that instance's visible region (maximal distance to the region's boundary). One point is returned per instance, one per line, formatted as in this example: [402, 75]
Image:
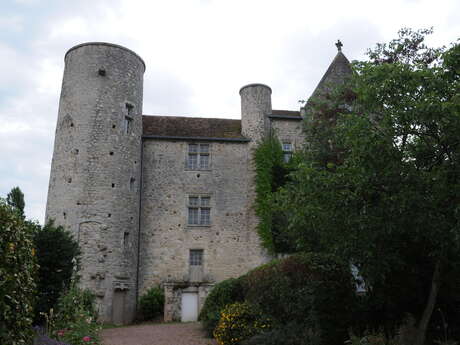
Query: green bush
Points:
[372, 338]
[56, 252]
[240, 321]
[18, 269]
[310, 289]
[291, 334]
[152, 303]
[224, 293]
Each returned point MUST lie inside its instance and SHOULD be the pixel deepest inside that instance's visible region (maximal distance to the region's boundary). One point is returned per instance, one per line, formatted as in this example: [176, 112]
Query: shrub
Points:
[56, 252]
[309, 289]
[373, 338]
[17, 273]
[290, 334]
[152, 303]
[75, 320]
[239, 321]
[224, 293]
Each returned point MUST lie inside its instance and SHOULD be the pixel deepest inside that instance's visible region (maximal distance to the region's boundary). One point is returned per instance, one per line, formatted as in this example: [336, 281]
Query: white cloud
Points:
[11, 23]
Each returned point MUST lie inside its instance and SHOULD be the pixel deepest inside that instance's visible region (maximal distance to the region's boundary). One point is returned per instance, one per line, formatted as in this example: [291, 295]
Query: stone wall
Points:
[289, 131]
[256, 104]
[230, 245]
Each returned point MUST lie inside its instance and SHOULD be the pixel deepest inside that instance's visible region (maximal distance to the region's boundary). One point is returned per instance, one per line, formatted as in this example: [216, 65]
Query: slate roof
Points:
[200, 127]
[191, 127]
[285, 113]
[338, 71]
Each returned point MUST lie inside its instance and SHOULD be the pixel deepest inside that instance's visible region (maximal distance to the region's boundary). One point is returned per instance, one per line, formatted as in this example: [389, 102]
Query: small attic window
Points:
[101, 72]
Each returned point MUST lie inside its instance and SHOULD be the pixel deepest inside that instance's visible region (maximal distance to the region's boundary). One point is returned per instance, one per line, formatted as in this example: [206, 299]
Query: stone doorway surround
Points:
[173, 297]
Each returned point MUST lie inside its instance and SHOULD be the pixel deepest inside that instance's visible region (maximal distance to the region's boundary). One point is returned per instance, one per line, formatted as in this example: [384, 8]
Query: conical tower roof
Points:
[338, 71]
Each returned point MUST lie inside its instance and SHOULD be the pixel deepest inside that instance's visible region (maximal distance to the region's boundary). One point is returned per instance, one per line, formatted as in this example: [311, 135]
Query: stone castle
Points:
[158, 200]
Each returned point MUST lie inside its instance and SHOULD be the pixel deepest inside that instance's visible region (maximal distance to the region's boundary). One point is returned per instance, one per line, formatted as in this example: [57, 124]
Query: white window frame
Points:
[199, 153]
[201, 205]
[196, 257]
[287, 151]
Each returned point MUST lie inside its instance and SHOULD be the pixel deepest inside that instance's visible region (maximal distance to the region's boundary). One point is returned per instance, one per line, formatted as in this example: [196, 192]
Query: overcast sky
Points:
[198, 54]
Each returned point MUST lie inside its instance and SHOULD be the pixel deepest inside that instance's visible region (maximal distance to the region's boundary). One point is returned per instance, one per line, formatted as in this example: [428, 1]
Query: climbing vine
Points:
[271, 174]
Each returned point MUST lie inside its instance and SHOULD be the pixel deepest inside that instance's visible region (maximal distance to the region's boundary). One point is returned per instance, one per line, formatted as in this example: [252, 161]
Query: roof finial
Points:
[339, 45]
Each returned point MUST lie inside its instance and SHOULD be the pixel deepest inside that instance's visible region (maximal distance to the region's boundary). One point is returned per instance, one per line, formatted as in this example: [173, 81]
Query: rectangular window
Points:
[125, 240]
[127, 125]
[198, 156]
[131, 183]
[129, 108]
[199, 210]
[196, 257]
[287, 152]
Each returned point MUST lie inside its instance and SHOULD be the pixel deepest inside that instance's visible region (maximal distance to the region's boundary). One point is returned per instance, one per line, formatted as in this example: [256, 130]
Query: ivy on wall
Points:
[271, 174]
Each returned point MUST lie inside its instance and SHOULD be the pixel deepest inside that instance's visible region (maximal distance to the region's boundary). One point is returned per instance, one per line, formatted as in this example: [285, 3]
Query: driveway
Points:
[157, 334]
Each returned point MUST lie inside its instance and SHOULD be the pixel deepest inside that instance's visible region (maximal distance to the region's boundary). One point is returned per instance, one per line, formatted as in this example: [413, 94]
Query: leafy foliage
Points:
[372, 338]
[293, 333]
[239, 321]
[75, 319]
[271, 174]
[18, 268]
[226, 292]
[15, 199]
[41, 338]
[308, 294]
[309, 289]
[151, 304]
[57, 252]
[384, 193]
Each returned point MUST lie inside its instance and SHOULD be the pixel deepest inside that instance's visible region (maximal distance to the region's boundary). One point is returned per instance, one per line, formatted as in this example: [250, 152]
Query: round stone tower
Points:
[94, 186]
[256, 104]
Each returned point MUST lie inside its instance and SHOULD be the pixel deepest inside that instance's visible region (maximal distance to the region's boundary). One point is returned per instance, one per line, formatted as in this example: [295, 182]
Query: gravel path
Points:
[157, 334]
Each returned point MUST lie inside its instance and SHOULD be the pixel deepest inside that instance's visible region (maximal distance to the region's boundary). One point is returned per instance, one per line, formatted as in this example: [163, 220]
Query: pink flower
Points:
[60, 333]
[86, 338]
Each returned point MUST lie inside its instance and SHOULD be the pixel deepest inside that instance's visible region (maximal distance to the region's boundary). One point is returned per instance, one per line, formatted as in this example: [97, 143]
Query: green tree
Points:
[15, 199]
[17, 277]
[57, 252]
[384, 193]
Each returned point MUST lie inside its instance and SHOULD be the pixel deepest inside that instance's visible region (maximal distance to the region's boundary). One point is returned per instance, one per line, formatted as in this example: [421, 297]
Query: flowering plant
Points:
[240, 321]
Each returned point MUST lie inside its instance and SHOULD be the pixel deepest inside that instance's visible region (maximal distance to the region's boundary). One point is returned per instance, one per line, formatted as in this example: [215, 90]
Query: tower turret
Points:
[95, 171]
[256, 104]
